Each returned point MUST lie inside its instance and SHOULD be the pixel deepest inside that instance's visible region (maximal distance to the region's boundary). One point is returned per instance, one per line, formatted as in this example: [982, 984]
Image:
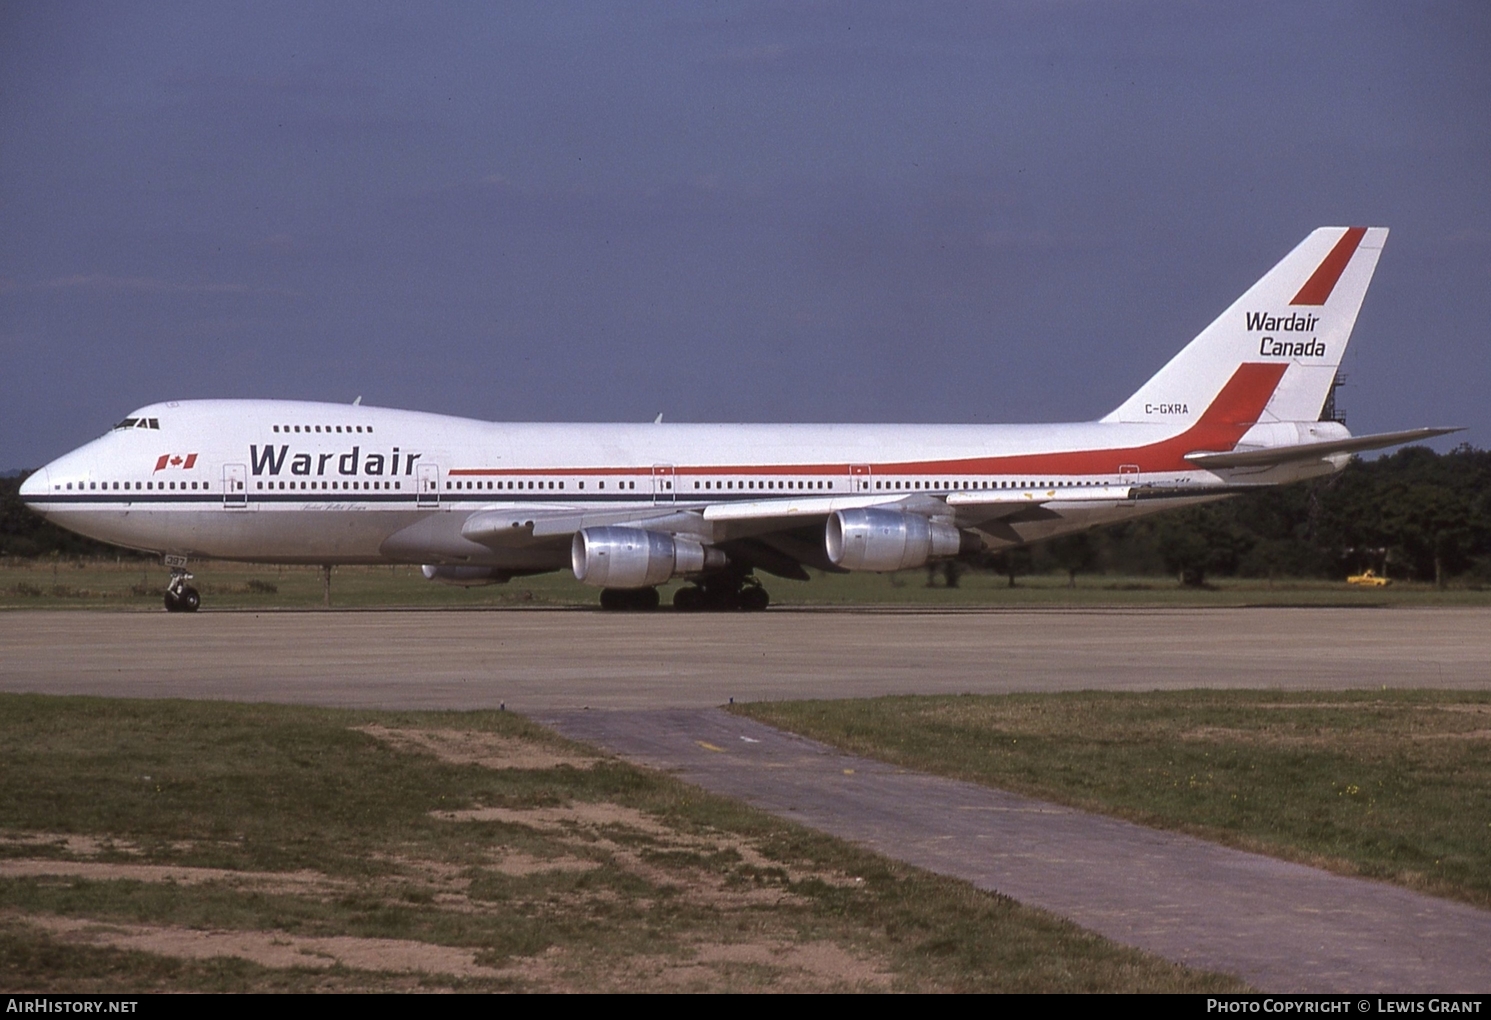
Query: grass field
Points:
[169, 845]
[1390, 784]
[133, 584]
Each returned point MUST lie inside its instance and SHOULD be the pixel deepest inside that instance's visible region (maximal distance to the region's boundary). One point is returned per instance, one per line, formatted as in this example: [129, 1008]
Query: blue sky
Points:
[744, 211]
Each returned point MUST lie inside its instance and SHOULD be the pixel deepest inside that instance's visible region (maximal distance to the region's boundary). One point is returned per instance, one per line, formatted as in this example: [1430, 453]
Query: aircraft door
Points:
[1128, 474]
[235, 486]
[859, 477]
[427, 493]
[663, 477]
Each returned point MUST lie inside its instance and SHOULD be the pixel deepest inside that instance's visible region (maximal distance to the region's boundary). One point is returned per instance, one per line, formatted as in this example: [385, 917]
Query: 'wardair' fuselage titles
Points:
[351, 462]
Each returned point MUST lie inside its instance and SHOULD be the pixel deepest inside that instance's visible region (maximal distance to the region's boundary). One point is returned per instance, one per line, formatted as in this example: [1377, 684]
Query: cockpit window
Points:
[138, 423]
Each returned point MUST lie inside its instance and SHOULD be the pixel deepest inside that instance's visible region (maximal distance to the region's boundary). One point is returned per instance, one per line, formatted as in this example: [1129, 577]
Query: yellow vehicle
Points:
[1368, 579]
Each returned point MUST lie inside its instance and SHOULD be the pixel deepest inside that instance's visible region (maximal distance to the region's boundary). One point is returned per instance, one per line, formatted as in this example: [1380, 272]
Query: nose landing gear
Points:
[180, 596]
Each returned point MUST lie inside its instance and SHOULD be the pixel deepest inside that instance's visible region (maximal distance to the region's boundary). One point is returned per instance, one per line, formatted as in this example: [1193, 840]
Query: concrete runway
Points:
[659, 674]
[541, 660]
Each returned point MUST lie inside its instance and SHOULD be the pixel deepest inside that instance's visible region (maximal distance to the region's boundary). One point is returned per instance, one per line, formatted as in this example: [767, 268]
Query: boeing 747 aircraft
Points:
[629, 507]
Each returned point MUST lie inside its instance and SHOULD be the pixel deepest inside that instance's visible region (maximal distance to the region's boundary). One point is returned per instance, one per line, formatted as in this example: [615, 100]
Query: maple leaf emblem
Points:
[175, 460]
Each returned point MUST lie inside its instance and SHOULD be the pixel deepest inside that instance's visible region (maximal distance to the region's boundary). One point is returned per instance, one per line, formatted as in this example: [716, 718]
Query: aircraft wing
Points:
[1017, 498]
[971, 502]
[516, 525]
[785, 521]
[791, 508]
[1271, 455]
[783, 535]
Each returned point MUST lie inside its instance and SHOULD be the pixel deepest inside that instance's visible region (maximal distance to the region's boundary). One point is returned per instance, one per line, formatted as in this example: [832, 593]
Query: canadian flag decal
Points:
[175, 460]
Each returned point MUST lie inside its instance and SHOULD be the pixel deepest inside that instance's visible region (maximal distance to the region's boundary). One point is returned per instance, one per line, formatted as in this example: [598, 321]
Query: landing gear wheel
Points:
[630, 598]
[752, 598]
[184, 600]
[722, 593]
[180, 596]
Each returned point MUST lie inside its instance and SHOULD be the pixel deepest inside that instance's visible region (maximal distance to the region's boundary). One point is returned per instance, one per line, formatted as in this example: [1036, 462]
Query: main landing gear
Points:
[714, 594]
[629, 598]
[180, 596]
[722, 593]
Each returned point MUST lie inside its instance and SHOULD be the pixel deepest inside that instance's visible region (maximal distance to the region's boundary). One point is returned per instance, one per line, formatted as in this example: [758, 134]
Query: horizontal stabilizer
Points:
[1311, 451]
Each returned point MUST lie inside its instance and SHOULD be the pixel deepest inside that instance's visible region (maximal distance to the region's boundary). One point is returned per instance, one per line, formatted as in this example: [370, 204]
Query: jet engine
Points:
[633, 558]
[465, 577]
[868, 539]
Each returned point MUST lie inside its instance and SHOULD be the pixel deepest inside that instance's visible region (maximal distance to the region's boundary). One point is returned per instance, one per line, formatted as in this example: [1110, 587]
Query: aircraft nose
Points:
[36, 485]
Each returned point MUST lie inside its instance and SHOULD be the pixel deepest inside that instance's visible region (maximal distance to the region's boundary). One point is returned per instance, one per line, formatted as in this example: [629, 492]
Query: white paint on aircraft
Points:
[478, 502]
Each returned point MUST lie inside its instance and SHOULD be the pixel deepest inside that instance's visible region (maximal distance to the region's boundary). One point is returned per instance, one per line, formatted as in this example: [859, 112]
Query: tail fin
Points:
[1299, 315]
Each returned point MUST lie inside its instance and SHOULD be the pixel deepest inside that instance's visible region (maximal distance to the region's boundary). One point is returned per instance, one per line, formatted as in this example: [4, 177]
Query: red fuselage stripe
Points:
[1231, 414]
[1320, 284]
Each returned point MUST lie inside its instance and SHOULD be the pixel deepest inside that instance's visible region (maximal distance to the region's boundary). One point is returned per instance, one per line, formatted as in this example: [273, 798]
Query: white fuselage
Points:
[628, 506]
[283, 481]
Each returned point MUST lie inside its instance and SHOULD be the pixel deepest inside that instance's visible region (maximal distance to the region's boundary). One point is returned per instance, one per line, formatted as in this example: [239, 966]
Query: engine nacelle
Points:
[633, 558]
[868, 539]
[465, 577]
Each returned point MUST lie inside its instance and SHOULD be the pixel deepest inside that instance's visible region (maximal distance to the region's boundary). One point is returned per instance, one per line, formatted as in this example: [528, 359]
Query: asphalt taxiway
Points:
[1281, 927]
[535, 660]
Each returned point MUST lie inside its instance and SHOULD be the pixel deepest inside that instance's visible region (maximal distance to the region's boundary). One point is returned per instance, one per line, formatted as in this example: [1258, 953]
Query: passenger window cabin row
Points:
[132, 486]
[340, 486]
[987, 484]
[625, 485]
[463, 485]
[793, 485]
[322, 428]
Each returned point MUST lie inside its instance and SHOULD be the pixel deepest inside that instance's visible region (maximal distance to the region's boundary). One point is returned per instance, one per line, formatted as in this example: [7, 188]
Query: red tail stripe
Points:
[1319, 286]
[1235, 410]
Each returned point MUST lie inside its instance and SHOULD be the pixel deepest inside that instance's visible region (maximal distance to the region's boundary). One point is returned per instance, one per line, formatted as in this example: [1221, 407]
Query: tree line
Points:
[1416, 515]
